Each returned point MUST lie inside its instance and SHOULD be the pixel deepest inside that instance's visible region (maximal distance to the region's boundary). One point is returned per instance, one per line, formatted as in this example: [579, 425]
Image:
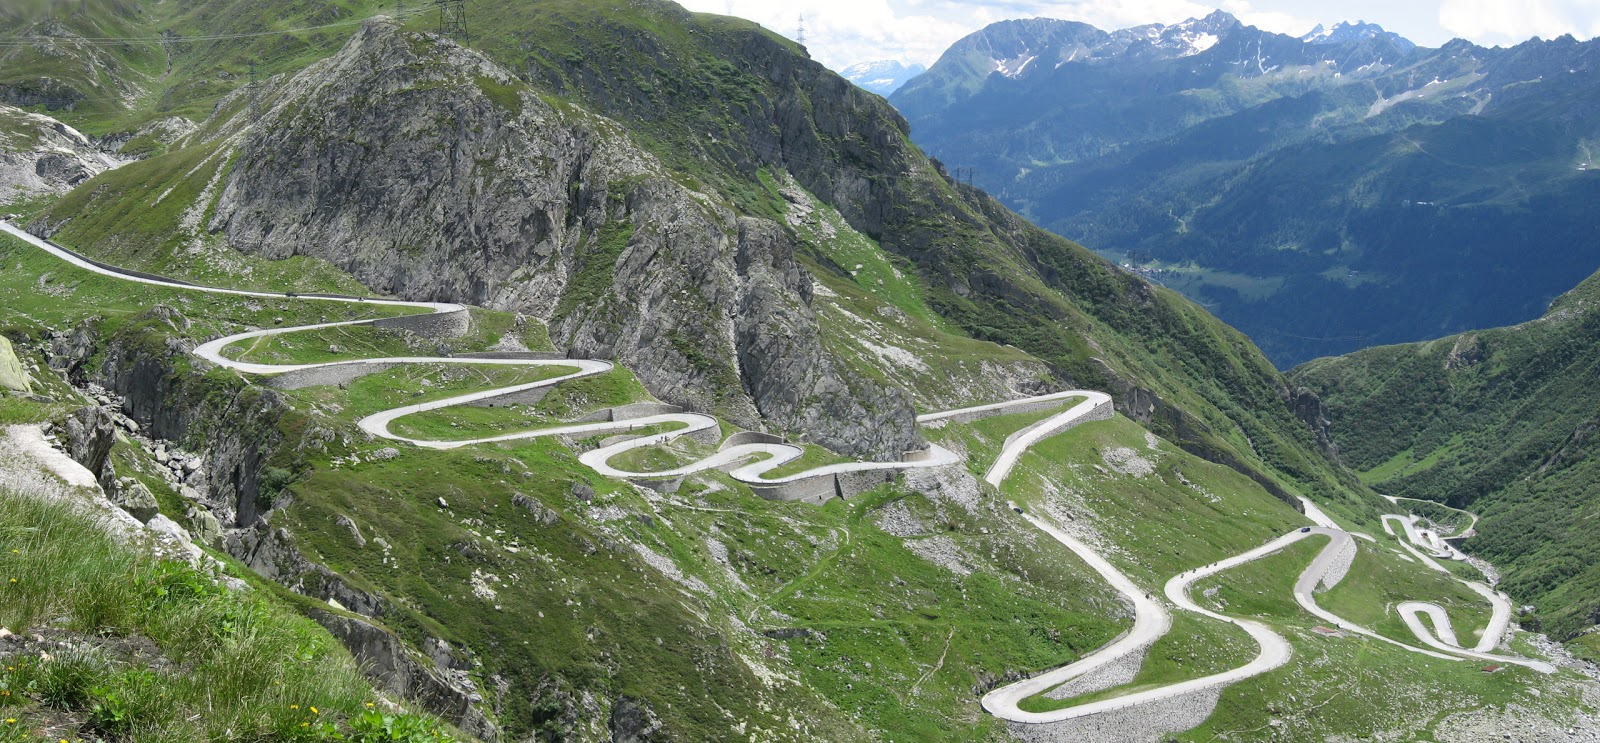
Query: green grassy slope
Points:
[1499, 422]
[142, 648]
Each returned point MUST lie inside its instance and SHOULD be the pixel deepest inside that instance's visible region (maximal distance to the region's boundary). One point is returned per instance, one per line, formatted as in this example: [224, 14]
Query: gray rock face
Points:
[42, 156]
[272, 555]
[68, 351]
[632, 721]
[12, 376]
[428, 172]
[137, 500]
[207, 528]
[90, 434]
[385, 659]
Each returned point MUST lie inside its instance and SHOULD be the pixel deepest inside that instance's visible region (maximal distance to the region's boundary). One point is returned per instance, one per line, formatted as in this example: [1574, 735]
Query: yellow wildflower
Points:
[314, 711]
[294, 706]
[11, 720]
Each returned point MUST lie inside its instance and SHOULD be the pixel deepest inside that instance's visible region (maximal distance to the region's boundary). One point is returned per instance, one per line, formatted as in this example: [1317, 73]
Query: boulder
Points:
[137, 500]
[207, 528]
[12, 376]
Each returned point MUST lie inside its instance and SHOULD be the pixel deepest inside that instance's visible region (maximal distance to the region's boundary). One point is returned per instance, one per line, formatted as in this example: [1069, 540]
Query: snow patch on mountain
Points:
[883, 76]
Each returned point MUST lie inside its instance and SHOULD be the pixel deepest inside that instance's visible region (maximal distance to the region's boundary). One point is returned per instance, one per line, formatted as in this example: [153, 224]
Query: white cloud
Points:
[842, 32]
[1500, 22]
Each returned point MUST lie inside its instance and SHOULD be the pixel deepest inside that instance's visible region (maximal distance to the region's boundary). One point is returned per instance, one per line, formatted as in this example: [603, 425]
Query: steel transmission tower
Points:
[453, 19]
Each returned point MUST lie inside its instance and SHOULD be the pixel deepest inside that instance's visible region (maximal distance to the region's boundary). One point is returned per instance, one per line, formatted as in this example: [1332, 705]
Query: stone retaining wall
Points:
[1030, 407]
[324, 376]
[523, 355]
[1139, 723]
[525, 397]
[813, 490]
[436, 325]
[630, 412]
[818, 490]
[750, 437]
[1103, 412]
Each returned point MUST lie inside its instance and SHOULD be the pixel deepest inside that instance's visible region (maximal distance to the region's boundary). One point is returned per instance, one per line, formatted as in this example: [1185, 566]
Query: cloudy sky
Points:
[843, 32]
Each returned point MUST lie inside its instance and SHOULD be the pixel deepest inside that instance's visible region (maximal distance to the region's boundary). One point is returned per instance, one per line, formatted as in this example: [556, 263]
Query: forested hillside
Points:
[1502, 422]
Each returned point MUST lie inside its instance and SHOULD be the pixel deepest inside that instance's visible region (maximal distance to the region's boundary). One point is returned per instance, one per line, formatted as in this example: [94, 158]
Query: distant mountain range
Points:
[1326, 193]
[883, 77]
[1349, 33]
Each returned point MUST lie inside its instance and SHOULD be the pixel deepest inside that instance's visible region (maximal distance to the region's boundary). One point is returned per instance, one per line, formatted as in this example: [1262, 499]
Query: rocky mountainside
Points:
[882, 77]
[602, 167]
[1499, 421]
[464, 185]
[1321, 194]
[751, 236]
[42, 157]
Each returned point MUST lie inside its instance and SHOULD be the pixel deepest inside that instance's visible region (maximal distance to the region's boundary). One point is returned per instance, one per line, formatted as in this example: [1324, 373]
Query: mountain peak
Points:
[883, 76]
[1218, 20]
[1346, 32]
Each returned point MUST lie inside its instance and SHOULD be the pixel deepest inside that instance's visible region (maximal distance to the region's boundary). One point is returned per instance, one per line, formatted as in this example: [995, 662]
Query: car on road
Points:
[1305, 530]
[1018, 509]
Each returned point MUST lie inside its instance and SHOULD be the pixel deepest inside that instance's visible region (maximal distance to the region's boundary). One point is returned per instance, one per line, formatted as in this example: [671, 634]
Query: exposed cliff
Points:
[40, 156]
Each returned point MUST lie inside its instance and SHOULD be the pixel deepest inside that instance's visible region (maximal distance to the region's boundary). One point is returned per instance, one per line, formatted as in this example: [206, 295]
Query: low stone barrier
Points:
[630, 412]
[1028, 407]
[1103, 412]
[525, 397]
[436, 325]
[516, 355]
[750, 437]
[324, 376]
[813, 490]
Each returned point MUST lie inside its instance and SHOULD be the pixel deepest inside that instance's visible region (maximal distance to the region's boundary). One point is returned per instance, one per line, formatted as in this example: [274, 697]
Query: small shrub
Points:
[376, 727]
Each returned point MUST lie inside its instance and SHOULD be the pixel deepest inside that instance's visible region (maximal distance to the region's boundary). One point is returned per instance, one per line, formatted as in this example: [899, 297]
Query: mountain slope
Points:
[1273, 178]
[1501, 422]
[618, 169]
[732, 113]
[990, 273]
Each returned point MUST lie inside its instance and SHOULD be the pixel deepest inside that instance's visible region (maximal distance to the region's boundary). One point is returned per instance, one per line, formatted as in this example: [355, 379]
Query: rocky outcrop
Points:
[632, 721]
[272, 555]
[40, 156]
[238, 422]
[1310, 410]
[429, 172]
[12, 376]
[136, 499]
[91, 432]
[386, 660]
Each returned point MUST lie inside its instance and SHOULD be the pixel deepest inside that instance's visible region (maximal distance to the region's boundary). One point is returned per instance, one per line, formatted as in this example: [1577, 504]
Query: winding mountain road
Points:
[769, 456]
[1152, 619]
